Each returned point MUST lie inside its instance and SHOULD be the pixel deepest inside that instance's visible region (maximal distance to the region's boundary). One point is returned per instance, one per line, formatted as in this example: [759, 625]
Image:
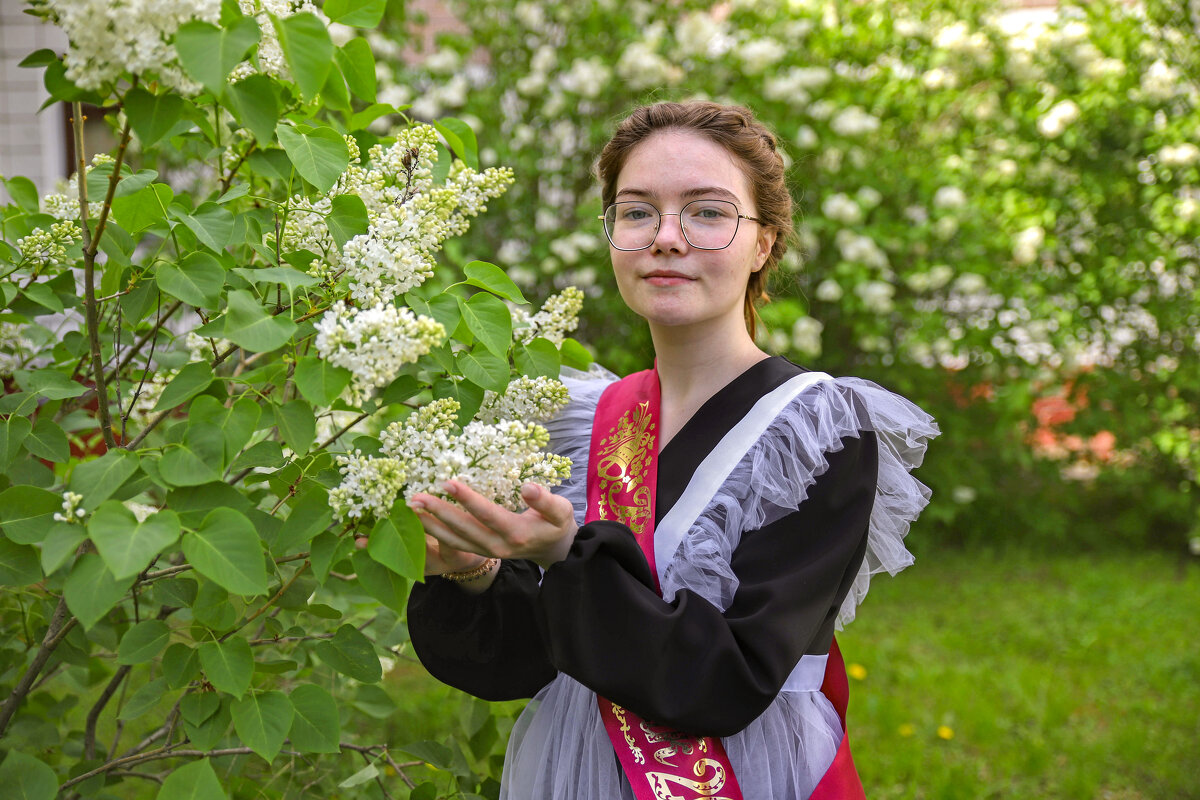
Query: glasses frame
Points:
[658, 227]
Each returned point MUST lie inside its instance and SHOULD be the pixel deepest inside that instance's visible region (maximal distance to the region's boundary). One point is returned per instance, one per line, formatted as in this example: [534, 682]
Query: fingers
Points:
[556, 510]
[448, 536]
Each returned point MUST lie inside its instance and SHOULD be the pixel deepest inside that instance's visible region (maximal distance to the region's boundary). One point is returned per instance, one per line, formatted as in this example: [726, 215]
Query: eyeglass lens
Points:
[707, 224]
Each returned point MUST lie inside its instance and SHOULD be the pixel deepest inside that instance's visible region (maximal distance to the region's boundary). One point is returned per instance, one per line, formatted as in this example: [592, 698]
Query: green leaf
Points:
[291, 278]
[91, 590]
[13, 433]
[197, 280]
[143, 209]
[144, 699]
[352, 654]
[468, 394]
[435, 753]
[380, 582]
[209, 54]
[335, 94]
[180, 666]
[212, 224]
[135, 183]
[490, 277]
[297, 425]
[309, 516]
[308, 51]
[255, 102]
[229, 665]
[358, 67]
[23, 192]
[96, 480]
[61, 88]
[272, 162]
[152, 115]
[262, 721]
[399, 390]
[574, 354]
[490, 320]
[248, 325]
[362, 119]
[226, 549]
[18, 564]
[27, 512]
[237, 423]
[316, 726]
[26, 778]
[319, 381]
[368, 773]
[485, 369]
[193, 781]
[538, 357]
[212, 731]
[356, 13]
[235, 191]
[319, 155]
[44, 296]
[193, 463]
[196, 707]
[461, 139]
[53, 385]
[263, 454]
[193, 379]
[394, 544]
[328, 549]
[143, 642]
[60, 544]
[48, 441]
[347, 217]
[126, 545]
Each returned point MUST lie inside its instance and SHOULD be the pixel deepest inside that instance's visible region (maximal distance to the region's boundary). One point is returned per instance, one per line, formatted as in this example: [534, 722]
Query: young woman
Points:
[672, 606]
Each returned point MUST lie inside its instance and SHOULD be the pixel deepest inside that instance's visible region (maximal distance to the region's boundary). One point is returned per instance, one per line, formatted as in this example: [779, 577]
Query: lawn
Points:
[983, 675]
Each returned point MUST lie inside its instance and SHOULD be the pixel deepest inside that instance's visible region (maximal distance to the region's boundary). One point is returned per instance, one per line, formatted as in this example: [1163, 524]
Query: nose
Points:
[670, 235]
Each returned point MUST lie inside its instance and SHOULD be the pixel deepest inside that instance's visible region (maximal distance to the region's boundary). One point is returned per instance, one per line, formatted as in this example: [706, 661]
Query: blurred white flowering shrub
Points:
[993, 208]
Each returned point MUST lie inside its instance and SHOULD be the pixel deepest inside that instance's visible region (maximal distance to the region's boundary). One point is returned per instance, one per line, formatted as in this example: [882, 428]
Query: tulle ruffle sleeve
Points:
[775, 475]
[571, 429]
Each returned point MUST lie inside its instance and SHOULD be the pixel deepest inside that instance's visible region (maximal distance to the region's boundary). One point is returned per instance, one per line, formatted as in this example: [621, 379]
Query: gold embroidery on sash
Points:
[660, 782]
[619, 713]
[622, 467]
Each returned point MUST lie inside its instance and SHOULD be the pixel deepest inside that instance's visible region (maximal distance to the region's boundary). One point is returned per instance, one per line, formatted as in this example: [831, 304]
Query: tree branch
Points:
[60, 623]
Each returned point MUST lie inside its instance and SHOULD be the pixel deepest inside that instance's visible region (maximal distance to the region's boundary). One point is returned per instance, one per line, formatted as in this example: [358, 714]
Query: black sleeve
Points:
[485, 644]
[684, 663]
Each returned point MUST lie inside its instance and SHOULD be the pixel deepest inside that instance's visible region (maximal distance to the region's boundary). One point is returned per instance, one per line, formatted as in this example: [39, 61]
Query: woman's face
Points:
[668, 170]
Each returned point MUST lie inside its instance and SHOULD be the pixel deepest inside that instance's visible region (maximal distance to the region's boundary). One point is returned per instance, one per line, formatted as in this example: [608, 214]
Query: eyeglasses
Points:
[706, 224]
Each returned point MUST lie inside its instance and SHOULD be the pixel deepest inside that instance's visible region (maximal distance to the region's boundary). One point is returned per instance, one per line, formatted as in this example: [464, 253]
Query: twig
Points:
[269, 603]
[89, 733]
[337, 435]
[59, 624]
[166, 572]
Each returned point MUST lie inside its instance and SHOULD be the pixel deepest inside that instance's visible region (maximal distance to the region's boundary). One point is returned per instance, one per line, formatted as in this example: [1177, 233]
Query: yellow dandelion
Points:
[907, 729]
[856, 671]
[945, 732]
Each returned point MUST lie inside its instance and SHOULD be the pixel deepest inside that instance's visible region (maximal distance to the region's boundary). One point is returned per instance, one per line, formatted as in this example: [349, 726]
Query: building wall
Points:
[32, 144]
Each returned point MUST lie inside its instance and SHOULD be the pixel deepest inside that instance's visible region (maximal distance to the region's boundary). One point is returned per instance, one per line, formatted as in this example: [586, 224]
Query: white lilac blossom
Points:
[558, 316]
[876, 296]
[758, 55]
[699, 34]
[64, 204]
[48, 247]
[1180, 155]
[109, 37]
[270, 60]
[141, 511]
[949, 197]
[861, 249]
[1027, 243]
[409, 215]
[868, 197]
[526, 399]
[806, 336]
[1161, 81]
[854, 121]
[422, 452]
[374, 343]
[829, 290]
[1055, 121]
[641, 67]
[840, 208]
[143, 395]
[71, 512]
[806, 138]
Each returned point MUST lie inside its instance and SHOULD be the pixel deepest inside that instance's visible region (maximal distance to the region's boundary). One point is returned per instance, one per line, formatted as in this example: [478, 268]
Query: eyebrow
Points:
[689, 194]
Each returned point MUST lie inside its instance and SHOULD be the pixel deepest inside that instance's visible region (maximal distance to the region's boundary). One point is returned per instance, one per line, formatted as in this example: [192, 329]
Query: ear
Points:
[766, 240]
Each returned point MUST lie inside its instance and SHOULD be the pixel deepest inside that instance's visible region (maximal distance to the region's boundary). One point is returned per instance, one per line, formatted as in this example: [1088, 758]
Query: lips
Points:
[666, 273]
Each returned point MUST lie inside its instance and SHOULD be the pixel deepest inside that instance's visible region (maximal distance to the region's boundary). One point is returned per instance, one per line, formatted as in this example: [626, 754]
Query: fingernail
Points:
[416, 505]
[451, 488]
[531, 490]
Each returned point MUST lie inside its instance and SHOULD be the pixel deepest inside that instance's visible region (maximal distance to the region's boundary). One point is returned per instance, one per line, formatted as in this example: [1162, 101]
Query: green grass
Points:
[1066, 676]
[1058, 676]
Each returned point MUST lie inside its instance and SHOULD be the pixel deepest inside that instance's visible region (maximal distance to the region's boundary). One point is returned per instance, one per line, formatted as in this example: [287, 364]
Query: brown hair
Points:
[736, 129]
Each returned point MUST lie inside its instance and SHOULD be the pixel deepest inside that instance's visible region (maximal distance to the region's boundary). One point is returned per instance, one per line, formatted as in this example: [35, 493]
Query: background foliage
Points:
[998, 220]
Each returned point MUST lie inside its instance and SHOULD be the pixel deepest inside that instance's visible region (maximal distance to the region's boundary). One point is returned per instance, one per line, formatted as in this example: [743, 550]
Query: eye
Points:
[711, 212]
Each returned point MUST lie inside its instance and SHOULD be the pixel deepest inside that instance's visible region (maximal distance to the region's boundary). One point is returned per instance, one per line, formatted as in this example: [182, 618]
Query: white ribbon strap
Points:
[717, 465]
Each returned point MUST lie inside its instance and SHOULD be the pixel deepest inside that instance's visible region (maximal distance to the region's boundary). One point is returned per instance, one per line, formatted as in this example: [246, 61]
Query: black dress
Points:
[701, 661]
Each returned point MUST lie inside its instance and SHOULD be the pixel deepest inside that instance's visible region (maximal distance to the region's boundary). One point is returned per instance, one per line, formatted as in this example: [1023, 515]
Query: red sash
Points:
[661, 763]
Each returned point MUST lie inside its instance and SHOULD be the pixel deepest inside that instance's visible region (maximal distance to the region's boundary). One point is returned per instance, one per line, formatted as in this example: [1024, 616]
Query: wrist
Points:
[482, 570]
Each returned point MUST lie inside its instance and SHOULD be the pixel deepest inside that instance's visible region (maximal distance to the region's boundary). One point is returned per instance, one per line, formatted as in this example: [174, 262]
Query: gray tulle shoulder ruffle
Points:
[774, 477]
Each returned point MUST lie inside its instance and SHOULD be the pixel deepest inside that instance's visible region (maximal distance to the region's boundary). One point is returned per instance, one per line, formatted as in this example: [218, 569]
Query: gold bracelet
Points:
[472, 574]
